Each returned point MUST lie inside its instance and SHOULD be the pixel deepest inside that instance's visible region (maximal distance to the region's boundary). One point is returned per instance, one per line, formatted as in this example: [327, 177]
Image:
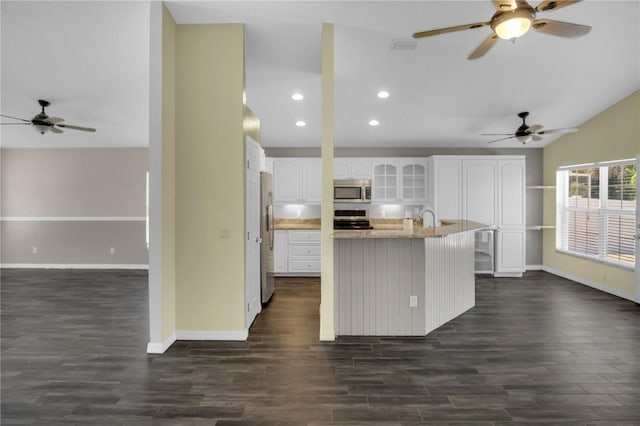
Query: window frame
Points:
[563, 209]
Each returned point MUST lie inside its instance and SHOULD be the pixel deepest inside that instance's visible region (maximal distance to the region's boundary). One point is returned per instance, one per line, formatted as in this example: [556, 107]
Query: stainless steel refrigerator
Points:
[267, 280]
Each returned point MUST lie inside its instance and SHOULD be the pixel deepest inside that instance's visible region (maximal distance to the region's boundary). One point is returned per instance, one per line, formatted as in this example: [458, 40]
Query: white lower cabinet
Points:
[510, 252]
[280, 251]
[297, 252]
[304, 251]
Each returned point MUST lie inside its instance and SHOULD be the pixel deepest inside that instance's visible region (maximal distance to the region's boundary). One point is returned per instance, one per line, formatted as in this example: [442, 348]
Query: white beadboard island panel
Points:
[374, 279]
[377, 273]
[450, 278]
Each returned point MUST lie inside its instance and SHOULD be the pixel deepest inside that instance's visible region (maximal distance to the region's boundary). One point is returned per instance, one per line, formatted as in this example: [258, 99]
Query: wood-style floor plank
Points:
[536, 350]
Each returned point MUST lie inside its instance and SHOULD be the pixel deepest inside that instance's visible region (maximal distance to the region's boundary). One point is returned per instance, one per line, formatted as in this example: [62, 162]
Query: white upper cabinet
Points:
[511, 193]
[312, 181]
[446, 188]
[414, 182]
[399, 180]
[479, 190]
[385, 182]
[297, 180]
[286, 181]
[351, 168]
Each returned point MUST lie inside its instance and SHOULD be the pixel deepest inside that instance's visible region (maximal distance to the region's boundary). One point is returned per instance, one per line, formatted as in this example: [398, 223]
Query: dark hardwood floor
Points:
[537, 350]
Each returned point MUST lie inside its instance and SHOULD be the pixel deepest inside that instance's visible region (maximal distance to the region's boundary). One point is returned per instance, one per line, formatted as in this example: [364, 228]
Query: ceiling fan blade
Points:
[504, 5]
[484, 47]
[19, 124]
[502, 139]
[558, 131]
[55, 130]
[536, 138]
[69, 126]
[54, 120]
[449, 29]
[559, 28]
[534, 128]
[498, 134]
[15, 118]
[548, 5]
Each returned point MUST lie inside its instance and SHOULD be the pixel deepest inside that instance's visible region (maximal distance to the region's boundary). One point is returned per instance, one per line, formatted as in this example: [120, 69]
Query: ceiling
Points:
[90, 59]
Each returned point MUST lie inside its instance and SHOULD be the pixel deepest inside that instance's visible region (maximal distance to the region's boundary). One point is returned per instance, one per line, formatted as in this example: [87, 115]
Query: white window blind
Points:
[596, 206]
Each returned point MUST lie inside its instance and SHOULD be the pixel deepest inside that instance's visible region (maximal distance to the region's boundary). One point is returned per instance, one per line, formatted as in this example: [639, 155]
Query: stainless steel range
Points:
[351, 219]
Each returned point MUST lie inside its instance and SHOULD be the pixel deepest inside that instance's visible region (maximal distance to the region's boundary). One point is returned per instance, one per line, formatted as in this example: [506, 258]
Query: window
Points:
[596, 211]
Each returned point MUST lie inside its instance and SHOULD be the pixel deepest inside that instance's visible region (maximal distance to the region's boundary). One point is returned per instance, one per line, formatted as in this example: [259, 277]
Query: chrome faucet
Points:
[433, 215]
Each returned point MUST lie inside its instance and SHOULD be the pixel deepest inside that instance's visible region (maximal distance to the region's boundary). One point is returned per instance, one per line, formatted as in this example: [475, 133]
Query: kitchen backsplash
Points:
[375, 210]
[296, 210]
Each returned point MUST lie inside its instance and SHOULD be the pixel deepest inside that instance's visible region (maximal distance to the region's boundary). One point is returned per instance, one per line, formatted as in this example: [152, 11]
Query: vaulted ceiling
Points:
[91, 60]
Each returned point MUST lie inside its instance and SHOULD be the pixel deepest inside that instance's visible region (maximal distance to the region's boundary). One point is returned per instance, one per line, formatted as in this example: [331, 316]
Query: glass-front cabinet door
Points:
[385, 182]
[414, 182]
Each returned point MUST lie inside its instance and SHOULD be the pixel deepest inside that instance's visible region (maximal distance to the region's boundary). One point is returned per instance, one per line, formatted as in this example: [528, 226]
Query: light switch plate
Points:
[413, 301]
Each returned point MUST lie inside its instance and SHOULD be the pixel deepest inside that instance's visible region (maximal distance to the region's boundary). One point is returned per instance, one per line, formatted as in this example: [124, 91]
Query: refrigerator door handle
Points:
[270, 225]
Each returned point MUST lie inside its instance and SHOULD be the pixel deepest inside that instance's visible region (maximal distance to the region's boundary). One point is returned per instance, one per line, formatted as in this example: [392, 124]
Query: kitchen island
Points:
[390, 282]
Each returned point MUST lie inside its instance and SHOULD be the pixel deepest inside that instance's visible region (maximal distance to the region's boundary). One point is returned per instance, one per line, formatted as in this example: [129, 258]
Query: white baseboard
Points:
[212, 334]
[71, 266]
[507, 274]
[589, 283]
[160, 348]
[534, 267]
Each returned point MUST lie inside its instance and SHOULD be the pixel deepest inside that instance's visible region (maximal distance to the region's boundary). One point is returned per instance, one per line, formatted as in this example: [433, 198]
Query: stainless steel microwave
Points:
[351, 191]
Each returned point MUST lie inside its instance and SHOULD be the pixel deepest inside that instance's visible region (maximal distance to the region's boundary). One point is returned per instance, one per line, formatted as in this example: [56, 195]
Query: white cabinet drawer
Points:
[305, 266]
[304, 236]
[305, 251]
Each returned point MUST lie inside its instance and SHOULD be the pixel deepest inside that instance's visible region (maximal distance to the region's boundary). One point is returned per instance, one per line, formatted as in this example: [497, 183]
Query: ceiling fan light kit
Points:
[43, 123]
[512, 20]
[513, 24]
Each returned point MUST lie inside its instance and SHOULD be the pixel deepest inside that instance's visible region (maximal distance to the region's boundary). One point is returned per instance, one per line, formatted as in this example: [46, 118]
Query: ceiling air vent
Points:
[402, 44]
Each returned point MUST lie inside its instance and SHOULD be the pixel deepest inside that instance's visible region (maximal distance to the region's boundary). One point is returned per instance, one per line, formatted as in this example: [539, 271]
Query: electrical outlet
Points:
[34, 250]
[224, 233]
[413, 301]
[112, 250]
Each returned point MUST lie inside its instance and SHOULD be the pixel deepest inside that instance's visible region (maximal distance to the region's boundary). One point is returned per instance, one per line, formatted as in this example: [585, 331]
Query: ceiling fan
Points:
[44, 123]
[513, 19]
[526, 133]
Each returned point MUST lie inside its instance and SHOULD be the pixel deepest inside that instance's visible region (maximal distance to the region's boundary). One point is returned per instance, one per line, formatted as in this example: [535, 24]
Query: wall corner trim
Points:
[589, 283]
[212, 334]
[327, 336]
[160, 348]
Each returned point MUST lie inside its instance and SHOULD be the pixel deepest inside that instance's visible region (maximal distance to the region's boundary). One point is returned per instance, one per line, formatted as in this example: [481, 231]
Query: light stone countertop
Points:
[297, 223]
[448, 227]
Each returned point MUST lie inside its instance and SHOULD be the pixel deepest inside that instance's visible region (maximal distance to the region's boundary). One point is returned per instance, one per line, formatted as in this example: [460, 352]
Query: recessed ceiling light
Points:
[373, 122]
[300, 123]
[297, 96]
[383, 94]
